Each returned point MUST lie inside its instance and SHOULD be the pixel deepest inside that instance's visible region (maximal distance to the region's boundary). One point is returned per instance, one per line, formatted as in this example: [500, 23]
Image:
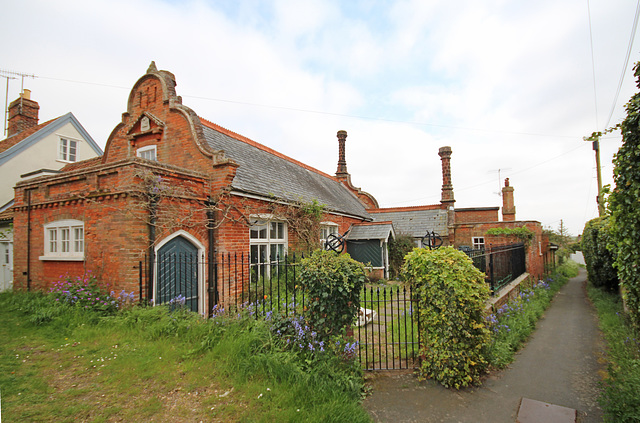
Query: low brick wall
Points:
[508, 292]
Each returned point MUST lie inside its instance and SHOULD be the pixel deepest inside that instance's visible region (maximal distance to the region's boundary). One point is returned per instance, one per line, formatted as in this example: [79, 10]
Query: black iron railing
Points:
[501, 264]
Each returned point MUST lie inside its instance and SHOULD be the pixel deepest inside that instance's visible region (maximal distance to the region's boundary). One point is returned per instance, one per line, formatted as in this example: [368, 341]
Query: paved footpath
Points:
[561, 364]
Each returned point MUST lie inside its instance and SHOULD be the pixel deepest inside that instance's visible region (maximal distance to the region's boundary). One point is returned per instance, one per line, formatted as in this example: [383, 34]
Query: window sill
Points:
[61, 258]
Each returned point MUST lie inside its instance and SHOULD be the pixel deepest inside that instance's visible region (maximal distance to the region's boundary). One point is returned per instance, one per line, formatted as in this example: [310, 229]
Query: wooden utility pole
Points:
[596, 148]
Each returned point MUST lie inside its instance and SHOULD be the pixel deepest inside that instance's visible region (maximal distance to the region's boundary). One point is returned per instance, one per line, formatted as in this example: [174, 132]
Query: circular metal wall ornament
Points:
[432, 240]
[335, 243]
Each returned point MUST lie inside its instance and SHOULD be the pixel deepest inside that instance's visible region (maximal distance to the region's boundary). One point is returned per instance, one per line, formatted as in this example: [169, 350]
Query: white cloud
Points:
[486, 75]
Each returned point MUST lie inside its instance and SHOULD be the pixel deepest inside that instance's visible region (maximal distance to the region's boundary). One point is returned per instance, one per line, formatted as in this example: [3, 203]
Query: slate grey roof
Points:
[267, 174]
[368, 231]
[415, 221]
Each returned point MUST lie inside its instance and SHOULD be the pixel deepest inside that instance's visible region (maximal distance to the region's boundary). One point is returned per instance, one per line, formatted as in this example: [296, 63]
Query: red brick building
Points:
[170, 182]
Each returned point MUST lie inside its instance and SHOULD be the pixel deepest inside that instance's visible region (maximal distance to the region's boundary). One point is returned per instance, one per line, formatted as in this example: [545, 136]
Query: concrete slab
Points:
[532, 411]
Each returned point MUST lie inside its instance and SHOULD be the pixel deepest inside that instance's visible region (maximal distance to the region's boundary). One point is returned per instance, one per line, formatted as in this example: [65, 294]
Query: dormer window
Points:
[147, 153]
[68, 150]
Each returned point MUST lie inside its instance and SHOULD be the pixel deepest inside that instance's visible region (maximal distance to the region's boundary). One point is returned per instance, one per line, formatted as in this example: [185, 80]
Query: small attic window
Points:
[147, 153]
[68, 150]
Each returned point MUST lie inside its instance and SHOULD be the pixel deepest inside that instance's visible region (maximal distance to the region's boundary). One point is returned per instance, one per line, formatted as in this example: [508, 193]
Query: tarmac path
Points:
[561, 364]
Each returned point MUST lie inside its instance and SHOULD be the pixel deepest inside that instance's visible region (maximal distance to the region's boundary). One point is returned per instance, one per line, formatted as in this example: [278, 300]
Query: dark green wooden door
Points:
[178, 273]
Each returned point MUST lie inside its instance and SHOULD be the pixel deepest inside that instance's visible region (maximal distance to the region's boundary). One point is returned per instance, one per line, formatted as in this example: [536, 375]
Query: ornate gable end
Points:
[156, 119]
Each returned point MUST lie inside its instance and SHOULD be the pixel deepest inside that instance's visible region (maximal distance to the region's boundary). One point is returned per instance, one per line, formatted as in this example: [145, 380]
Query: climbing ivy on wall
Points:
[625, 206]
[524, 234]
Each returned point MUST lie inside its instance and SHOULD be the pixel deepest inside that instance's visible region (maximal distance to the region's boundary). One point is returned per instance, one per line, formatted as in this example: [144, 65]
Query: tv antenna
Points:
[499, 171]
[12, 75]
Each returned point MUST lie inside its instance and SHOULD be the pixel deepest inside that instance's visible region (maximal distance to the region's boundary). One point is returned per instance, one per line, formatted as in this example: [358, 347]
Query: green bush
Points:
[398, 248]
[625, 207]
[331, 282]
[599, 260]
[452, 294]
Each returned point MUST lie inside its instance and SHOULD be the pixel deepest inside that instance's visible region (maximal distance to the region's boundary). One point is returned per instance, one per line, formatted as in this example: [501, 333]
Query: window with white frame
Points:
[148, 153]
[64, 240]
[326, 229]
[478, 242]
[268, 244]
[68, 150]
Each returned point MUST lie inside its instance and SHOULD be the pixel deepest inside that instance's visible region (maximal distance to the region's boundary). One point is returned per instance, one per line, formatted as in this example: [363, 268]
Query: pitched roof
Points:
[370, 230]
[267, 173]
[7, 143]
[415, 221]
[20, 141]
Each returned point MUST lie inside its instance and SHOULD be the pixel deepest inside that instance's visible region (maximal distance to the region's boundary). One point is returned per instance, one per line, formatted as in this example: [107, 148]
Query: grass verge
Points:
[65, 363]
[620, 399]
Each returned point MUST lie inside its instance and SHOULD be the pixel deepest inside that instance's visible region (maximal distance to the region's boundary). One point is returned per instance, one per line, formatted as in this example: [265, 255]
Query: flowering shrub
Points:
[84, 291]
[300, 337]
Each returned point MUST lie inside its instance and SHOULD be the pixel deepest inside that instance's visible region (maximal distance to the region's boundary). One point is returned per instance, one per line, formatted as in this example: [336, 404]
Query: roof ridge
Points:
[406, 208]
[375, 222]
[262, 147]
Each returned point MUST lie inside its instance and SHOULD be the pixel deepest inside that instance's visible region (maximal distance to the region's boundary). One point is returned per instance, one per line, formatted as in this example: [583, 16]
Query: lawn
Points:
[65, 363]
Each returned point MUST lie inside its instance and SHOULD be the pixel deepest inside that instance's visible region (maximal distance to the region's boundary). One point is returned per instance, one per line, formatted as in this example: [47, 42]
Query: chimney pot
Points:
[26, 94]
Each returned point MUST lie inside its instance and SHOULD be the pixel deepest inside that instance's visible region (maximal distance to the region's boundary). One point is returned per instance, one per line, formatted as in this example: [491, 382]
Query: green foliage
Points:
[625, 206]
[232, 367]
[599, 260]
[332, 284]
[452, 295]
[620, 401]
[304, 219]
[398, 248]
[522, 233]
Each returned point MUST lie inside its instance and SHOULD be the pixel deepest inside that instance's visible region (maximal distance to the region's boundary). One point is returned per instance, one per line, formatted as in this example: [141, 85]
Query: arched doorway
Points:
[178, 272]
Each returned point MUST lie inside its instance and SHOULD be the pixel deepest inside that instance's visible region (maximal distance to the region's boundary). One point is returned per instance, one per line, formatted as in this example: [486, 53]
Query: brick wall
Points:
[535, 249]
[115, 198]
[473, 215]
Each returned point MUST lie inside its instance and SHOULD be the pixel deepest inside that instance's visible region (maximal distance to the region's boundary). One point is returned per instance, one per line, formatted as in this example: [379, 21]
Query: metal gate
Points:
[387, 328]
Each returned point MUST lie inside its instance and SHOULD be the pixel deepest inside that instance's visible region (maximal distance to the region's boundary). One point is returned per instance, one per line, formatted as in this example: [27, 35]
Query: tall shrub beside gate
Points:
[451, 294]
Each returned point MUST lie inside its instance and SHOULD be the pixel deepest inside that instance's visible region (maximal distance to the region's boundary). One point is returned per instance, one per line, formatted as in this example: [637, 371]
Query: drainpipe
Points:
[212, 283]
[28, 240]
[153, 209]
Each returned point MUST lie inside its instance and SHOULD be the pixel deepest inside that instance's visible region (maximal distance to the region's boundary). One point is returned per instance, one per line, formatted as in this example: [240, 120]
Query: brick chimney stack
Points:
[508, 205]
[447, 187]
[23, 114]
[342, 161]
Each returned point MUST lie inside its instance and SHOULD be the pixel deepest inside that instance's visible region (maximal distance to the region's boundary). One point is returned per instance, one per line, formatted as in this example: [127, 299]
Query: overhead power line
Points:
[626, 63]
[320, 112]
[593, 65]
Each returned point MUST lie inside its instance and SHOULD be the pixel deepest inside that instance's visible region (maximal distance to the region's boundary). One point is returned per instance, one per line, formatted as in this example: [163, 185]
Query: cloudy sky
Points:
[511, 86]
